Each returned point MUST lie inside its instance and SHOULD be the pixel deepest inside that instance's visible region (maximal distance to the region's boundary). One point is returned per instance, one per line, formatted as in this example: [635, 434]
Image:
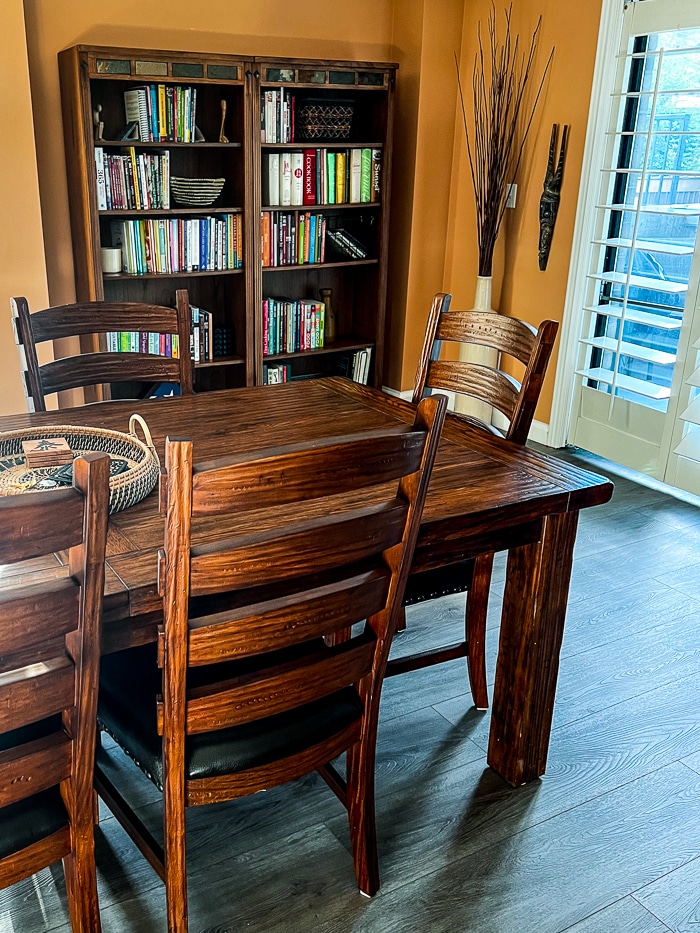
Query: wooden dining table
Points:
[485, 495]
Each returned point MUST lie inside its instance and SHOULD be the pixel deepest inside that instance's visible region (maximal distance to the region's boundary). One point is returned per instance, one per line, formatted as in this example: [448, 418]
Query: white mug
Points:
[111, 259]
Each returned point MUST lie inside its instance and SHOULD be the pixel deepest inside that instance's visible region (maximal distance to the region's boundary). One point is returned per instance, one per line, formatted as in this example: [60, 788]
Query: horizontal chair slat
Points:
[41, 764]
[17, 866]
[93, 369]
[267, 693]
[320, 544]
[282, 622]
[241, 783]
[35, 692]
[288, 474]
[37, 524]
[95, 318]
[32, 614]
[489, 329]
[479, 381]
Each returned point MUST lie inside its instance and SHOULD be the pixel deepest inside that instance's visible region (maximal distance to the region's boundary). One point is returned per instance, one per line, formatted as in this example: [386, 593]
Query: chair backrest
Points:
[96, 368]
[332, 547]
[509, 336]
[49, 658]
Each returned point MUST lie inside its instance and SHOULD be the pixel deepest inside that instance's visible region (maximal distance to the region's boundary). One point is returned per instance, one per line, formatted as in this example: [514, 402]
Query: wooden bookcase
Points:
[92, 76]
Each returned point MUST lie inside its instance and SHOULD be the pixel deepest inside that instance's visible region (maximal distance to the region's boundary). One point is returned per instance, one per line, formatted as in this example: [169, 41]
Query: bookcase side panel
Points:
[80, 165]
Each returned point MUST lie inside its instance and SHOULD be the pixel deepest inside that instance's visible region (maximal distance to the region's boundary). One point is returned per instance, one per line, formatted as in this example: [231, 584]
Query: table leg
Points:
[532, 627]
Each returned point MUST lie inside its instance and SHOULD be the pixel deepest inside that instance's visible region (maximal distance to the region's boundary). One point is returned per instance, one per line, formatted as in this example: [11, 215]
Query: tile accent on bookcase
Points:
[113, 66]
[152, 68]
[223, 72]
[188, 70]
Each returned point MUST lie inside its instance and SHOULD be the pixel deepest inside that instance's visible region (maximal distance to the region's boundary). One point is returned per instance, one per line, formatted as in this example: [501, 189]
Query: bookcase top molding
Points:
[129, 64]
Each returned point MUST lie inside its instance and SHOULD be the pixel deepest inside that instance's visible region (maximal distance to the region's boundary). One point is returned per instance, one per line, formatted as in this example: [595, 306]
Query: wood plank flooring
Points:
[607, 840]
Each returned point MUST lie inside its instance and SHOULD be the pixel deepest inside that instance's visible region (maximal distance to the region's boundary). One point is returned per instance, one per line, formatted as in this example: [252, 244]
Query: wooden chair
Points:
[97, 368]
[49, 660]
[256, 688]
[517, 401]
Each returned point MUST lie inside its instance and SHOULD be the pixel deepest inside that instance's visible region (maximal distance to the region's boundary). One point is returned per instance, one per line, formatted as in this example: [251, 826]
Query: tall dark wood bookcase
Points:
[92, 76]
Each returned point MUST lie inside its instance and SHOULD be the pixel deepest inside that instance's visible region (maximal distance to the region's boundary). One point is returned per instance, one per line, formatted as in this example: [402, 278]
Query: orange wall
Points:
[21, 254]
[425, 36]
[520, 288]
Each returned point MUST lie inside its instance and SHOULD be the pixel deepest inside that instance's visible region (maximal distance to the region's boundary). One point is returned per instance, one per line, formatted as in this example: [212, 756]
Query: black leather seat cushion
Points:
[27, 821]
[443, 581]
[131, 680]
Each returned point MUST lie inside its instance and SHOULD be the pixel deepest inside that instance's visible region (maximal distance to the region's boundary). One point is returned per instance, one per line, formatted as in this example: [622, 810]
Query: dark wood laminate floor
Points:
[607, 840]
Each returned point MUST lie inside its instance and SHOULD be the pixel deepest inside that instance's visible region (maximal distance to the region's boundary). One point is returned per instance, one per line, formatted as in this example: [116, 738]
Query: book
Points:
[310, 168]
[376, 169]
[285, 179]
[355, 175]
[330, 194]
[131, 105]
[271, 179]
[340, 167]
[100, 178]
[366, 176]
[298, 181]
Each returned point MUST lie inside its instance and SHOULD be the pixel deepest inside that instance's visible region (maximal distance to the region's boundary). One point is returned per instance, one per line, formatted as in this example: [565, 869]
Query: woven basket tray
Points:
[134, 466]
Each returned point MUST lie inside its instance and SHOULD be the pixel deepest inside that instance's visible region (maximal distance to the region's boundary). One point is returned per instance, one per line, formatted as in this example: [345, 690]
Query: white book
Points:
[271, 179]
[355, 175]
[368, 357]
[297, 179]
[286, 179]
[269, 118]
[100, 172]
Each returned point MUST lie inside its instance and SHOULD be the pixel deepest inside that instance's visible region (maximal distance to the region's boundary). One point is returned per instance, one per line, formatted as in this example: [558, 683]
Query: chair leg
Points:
[363, 833]
[175, 862]
[81, 882]
[475, 629]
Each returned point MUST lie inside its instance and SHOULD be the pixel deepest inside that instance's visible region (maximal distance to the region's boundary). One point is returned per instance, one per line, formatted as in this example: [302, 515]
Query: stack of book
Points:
[292, 326]
[201, 336]
[276, 373]
[132, 181]
[321, 176]
[291, 239]
[162, 112]
[169, 245]
[277, 112]
[355, 365]
[135, 342]
[346, 245]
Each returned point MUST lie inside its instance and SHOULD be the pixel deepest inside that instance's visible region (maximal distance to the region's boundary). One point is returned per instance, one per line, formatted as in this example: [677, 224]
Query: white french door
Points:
[637, 392]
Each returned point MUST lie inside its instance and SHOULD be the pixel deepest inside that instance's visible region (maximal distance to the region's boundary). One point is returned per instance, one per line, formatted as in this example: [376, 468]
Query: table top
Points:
[485, 493]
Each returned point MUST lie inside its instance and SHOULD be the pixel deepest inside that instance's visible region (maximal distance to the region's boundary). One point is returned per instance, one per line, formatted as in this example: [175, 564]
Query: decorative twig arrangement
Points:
[502, 118]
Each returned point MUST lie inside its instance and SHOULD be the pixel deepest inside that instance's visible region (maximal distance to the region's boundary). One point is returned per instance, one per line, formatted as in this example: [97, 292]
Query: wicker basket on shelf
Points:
[322, 119]
[134, 467]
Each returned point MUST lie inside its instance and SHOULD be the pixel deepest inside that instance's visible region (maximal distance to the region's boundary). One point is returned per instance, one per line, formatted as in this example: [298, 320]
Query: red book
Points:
[309, 176]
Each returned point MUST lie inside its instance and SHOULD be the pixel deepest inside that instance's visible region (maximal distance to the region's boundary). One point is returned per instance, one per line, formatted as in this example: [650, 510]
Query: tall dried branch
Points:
[503, 113]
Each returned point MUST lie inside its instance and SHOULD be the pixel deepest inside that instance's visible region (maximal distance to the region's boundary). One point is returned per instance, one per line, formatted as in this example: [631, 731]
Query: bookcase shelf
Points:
[321, 265]
[339, 346]
[112, 276]
[94, 81]
[164, 144]
[316, 208]
[115, 213]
